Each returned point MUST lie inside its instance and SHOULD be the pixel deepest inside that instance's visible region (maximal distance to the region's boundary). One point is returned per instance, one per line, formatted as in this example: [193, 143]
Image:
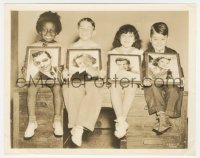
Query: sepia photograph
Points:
[95, 49]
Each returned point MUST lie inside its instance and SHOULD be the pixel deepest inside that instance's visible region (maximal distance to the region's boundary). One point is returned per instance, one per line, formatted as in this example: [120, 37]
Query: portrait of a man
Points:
[42, 60]
[42, 64]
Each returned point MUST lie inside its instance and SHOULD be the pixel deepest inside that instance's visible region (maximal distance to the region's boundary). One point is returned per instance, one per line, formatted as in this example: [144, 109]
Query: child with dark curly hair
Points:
[48, 26]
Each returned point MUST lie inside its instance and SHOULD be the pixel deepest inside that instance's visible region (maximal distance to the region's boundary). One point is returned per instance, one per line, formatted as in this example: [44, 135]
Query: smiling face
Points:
[48, 32]
[123, 65]
[127, 39]
[159, 41]
[85, 30]
[163, 63]
[42, 62]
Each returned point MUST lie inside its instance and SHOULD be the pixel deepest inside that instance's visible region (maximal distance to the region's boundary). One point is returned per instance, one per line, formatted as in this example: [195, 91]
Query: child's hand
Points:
[102, 73]
[65, 74]
[147, 82]
[60, 68]
[23, 70]
[181, 85]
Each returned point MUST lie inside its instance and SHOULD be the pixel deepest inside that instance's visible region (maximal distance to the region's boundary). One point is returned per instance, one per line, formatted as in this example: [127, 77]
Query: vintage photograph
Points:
[124, 67]
[101, 44]
[83, 63]
[164, 67]
[42, 63]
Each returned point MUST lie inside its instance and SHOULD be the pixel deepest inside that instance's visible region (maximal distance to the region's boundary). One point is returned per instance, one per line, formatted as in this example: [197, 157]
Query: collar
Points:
[45, 43]
[153, 50]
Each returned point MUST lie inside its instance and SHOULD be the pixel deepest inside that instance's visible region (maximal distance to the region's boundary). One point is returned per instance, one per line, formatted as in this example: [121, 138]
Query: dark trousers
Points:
[165, 98]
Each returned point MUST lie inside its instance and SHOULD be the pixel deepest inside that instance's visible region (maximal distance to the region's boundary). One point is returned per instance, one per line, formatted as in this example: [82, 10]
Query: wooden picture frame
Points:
[130, 72]
[90, 57]
[42, 64]
[164, 68]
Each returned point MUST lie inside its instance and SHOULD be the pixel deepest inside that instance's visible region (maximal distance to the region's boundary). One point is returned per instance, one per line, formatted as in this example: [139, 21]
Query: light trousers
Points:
[83, 105]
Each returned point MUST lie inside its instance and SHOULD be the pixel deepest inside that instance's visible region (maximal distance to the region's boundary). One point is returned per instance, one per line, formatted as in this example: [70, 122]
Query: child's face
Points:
[123, 65]
[163, 63]
[42, 62]
[158, 41]
[48, 32]
[85, 30]
[127, 39]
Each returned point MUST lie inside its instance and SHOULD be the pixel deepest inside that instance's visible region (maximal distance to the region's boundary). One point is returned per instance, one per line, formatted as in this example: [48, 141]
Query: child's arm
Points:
[23, 69]
[102, 72]
[62, 65]
[65, 74]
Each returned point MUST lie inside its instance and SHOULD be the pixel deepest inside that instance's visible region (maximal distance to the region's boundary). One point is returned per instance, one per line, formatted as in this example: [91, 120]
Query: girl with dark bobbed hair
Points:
[126, 41]
[124, 30]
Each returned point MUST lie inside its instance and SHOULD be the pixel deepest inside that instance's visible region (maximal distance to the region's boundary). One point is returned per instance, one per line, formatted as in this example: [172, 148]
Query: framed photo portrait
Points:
[83, 64]
[164, 68]
[42, 64]
[124, 68]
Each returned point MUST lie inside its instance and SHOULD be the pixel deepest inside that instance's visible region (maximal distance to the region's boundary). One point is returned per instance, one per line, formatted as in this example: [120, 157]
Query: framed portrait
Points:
[42, 64]
[124, 68]
[83, 64]
[164, 68]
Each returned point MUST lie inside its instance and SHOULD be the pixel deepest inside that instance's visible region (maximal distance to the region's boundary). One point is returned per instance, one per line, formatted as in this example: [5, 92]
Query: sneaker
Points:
[58, 128]
[164, 123]
[30, 130]
[121, 127]
[77, 133]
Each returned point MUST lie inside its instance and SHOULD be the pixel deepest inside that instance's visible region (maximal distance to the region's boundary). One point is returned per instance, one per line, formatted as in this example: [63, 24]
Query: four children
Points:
[83, 103]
